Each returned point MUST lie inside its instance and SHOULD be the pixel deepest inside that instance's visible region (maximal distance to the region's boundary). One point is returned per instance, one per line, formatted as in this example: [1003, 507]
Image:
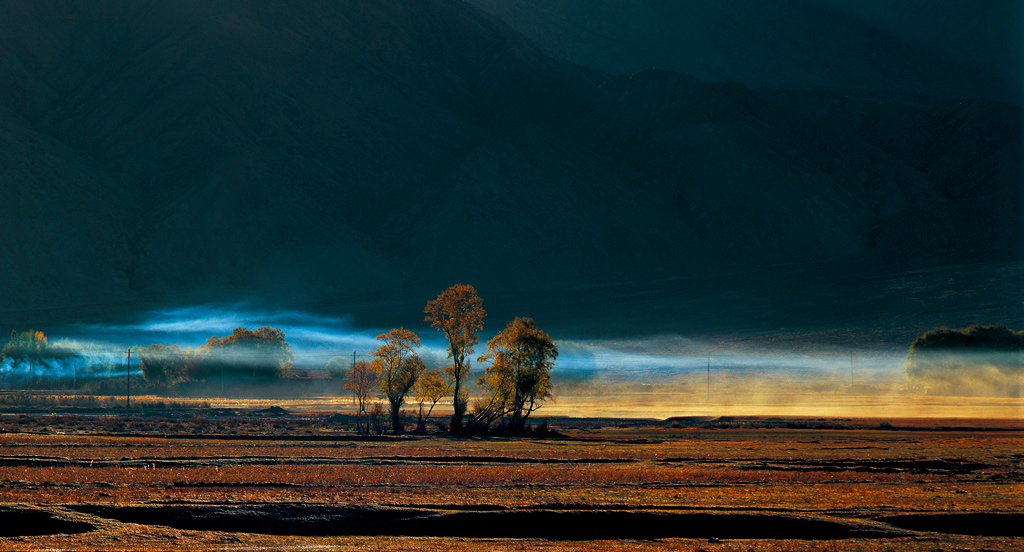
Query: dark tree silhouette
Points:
[977, 360]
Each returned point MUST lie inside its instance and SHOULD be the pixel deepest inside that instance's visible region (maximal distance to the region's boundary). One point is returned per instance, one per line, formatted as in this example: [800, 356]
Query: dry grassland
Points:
[247, 481]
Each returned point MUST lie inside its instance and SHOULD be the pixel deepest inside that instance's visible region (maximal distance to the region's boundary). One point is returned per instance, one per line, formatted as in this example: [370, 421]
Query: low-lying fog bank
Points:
[788, 372]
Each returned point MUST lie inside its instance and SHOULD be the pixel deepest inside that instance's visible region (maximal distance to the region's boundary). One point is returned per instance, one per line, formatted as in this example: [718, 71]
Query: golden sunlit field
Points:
[218, 479]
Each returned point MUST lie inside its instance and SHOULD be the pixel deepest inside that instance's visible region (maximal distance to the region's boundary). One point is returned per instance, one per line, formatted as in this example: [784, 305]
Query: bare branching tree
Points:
[362, 381]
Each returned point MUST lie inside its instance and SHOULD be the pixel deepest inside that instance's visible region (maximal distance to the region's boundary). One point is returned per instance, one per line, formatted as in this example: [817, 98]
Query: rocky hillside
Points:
[322, 153]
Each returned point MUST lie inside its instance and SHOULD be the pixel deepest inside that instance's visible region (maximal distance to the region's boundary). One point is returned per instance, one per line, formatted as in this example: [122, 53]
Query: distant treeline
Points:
[977, 360]
[246, 354]
[30, 360]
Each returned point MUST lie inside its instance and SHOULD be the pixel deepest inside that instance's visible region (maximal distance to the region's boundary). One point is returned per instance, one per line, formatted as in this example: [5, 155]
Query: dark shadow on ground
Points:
[25, 522]
[547, 524]
[974, 524]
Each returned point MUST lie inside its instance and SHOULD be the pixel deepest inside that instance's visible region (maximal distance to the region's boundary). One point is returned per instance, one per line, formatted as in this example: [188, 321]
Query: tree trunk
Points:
[516, 423]
[421, 421]
[396, 418]
[459, 405]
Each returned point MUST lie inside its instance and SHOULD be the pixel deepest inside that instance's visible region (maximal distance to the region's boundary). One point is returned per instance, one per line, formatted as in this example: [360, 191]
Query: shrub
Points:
[376, 418]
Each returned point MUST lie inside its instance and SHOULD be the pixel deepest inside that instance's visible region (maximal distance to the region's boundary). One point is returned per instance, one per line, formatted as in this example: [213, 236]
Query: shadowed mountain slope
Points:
[321, 153]
[951, 48]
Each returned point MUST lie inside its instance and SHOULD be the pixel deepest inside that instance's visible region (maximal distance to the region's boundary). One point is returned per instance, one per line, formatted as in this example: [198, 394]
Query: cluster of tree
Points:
[262, 353]
[31, 360]
[30, 351]
[977, 360]
[165, 366]
[396, 372]
[514, 385]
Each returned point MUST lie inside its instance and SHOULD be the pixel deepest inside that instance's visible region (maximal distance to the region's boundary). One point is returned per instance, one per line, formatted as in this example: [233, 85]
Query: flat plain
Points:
[219, 479]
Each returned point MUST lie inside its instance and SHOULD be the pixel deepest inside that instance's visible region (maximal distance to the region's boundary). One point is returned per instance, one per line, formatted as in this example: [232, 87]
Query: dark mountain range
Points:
[320, 154]
[951, 48]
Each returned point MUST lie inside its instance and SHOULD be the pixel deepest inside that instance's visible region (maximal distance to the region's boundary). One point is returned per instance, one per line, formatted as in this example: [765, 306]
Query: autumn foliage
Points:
[259, 353]
[519, 377]
[262, 353]
[514, 384]
[430, 388]
[458, 313]
[399, 367]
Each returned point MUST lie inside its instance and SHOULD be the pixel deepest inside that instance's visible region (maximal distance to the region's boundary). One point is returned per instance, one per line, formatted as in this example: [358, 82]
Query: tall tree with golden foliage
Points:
[519, 376]
[458, 312]
[399, 367]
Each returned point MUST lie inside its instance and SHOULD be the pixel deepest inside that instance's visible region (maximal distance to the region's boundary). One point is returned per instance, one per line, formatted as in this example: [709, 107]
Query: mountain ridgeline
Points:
[313, 153]
[947, 48]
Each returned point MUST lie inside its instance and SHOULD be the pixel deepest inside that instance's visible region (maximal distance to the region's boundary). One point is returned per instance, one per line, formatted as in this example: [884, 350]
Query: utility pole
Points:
[128, 378]
[709, 376]
[353, 368]
[851, 367]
